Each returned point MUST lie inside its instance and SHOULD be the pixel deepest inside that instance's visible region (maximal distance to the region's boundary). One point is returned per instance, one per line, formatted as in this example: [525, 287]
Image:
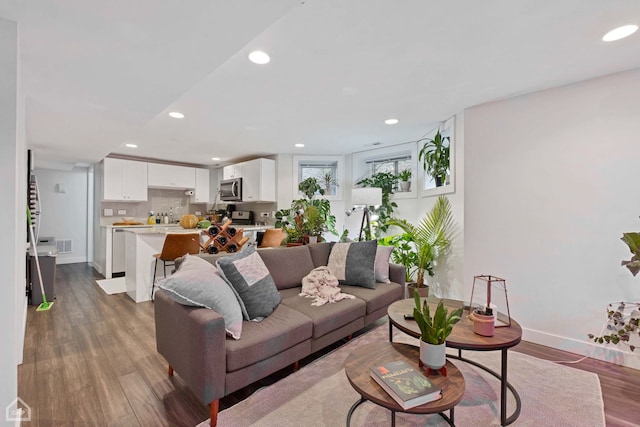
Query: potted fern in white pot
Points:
[434, 331]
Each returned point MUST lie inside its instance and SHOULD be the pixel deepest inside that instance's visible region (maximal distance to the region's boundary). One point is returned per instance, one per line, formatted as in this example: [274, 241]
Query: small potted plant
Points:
[431, 237]
[435, 158]
[404, 177]
[434, 331]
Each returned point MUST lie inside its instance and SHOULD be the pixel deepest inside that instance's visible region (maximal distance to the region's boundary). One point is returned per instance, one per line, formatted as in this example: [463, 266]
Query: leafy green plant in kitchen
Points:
[308, 216]
[435, 157]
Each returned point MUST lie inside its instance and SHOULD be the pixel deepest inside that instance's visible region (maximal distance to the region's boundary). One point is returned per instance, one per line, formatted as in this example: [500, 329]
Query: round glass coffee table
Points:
[463, 338]
[361, 360]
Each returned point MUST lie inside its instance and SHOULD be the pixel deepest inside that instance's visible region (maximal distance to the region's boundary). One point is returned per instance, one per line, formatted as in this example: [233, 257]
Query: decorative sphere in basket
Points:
[188, 221]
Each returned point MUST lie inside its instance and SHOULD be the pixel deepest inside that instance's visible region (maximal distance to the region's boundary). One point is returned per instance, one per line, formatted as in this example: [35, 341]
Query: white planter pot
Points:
[433, 356]
[405, 186]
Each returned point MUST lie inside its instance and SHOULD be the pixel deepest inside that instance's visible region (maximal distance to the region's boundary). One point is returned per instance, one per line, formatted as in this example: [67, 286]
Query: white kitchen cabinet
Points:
[201, 191]
[171, 176]
[124, 180]
[259, 181]
[233, 171]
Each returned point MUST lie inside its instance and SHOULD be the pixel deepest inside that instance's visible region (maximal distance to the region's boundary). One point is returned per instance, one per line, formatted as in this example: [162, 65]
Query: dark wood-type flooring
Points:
[91, 361]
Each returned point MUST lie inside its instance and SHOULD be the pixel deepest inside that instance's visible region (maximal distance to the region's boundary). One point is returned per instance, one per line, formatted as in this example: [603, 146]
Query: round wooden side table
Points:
[463, 338]
[357, 368]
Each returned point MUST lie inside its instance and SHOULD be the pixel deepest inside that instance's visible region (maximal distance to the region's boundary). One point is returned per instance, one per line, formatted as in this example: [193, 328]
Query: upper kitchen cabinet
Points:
[201, 191]
[125, 180]
[232, 171]
[259, 180]
[171, 176]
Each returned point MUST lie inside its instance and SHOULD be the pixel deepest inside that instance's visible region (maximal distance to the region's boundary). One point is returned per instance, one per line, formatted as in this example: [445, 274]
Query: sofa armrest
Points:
[397, 273]
[192, 340]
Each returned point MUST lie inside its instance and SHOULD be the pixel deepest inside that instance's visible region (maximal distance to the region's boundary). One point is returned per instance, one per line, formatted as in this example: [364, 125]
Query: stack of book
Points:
[405, 385]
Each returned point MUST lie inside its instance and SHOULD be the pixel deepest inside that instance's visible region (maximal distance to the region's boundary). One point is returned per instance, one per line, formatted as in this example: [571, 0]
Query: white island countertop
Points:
[158, 229]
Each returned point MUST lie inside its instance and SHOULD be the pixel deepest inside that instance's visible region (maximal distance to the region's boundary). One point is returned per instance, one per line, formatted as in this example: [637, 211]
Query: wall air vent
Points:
[64, 246]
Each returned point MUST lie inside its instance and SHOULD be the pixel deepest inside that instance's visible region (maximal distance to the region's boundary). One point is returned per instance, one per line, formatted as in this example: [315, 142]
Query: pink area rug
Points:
[320, 395]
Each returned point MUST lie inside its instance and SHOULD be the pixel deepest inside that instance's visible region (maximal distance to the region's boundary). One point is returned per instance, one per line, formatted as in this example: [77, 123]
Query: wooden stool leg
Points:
[170, 371]
[153, 283]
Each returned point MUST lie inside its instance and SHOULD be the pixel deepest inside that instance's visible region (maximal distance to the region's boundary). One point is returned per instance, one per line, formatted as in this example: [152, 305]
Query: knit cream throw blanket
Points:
[323, 286]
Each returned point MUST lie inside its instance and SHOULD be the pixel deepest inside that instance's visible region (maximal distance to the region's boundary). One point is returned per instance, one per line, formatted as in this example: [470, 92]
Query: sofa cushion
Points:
[352, 263]
[320, 253]
[327, 317]
[198, 283]
[383, 294]
[290, 292]
[381, 265]
[283, 329]
[250, 278]
[287, 265]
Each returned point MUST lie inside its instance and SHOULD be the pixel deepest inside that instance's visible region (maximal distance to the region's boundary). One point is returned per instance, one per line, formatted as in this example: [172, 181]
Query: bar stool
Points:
[175, 245]
[272, 238]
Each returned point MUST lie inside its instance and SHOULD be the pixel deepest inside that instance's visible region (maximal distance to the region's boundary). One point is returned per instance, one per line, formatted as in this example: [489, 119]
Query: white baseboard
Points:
[605, 353]
[96, 267]
[70, 260]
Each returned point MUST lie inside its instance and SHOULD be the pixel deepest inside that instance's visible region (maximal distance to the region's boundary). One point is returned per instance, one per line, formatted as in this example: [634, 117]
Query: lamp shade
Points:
[368, 196]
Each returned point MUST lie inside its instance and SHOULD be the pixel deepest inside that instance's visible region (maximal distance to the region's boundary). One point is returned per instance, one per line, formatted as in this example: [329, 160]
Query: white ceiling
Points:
[100, 74]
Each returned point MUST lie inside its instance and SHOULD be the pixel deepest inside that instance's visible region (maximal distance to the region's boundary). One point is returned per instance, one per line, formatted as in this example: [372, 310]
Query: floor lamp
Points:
[363, 198]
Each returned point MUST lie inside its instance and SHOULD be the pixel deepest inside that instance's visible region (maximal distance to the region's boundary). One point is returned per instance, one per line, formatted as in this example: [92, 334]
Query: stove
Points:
[242, 217]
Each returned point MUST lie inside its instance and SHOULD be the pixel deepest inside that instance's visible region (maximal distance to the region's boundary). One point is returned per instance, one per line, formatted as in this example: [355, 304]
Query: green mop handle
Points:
[35, 253]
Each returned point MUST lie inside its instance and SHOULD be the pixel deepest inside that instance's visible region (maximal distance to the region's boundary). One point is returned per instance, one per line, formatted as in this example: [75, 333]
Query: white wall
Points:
[12, 227]
[64, 214]
[551, 185]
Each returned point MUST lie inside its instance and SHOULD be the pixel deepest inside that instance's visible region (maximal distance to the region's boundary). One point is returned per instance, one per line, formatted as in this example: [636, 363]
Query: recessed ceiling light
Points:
[176, 115]
[391, 121]
[298, 145]
[215, 159]
[259, 57]
[131, 145]
[620, 33]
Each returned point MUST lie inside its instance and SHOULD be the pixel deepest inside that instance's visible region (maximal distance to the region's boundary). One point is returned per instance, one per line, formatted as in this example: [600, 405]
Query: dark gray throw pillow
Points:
[353, 263]
[249, 276]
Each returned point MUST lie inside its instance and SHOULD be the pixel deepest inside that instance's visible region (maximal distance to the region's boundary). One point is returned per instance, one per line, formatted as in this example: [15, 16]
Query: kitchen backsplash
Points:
[160, 201]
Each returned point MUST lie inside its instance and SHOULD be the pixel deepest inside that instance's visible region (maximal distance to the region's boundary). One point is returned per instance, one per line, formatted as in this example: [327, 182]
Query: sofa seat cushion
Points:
[327, 317]
[284, 328]
[383, 294]
[287, 265]
[290, 292]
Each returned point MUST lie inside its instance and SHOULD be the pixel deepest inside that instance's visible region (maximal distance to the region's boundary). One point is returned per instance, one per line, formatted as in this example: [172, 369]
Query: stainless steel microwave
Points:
[231, 190]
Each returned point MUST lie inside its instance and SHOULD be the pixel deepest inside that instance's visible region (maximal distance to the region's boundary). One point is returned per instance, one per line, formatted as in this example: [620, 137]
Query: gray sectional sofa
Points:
[194, 343]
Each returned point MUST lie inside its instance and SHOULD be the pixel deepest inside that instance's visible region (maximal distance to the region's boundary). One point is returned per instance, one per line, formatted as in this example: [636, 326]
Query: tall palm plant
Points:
[432, 236]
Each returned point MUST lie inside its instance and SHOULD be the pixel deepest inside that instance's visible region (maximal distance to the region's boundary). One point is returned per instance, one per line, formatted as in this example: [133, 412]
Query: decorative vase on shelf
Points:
[433, 355]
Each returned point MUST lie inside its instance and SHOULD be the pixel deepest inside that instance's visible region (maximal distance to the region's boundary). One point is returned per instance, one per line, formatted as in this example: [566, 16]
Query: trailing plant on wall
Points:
[387, 182]
[623, 317]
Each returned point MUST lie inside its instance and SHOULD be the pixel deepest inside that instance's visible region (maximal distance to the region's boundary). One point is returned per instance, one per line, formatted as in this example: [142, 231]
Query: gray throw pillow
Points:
[353, 263]
[382, 263]
[249, 276]
[198, 283]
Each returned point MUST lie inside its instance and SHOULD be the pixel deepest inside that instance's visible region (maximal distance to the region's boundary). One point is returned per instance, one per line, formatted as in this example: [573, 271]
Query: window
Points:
[328, 170]
[393, 165]
[325, 172]
[393, 159]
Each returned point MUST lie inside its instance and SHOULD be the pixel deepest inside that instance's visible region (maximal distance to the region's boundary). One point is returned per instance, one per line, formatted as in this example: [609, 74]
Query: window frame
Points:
[298, 161]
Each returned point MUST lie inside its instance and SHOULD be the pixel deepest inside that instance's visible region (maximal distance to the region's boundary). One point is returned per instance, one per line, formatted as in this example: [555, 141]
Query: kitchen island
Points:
[141, 244]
